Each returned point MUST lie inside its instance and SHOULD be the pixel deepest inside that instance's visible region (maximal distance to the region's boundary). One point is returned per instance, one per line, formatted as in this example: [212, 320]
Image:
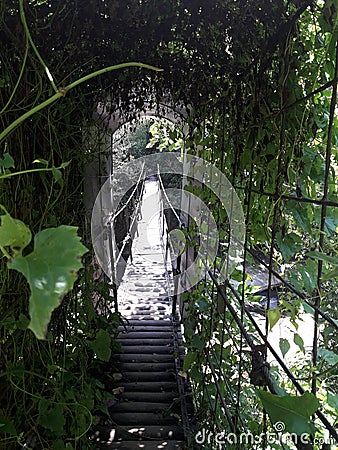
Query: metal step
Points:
[147, 445]
[150, 349]
[153, 397]
[141, 307]
[147, 315]
[132, 357]
[130, 418]
[153, 322]
[103, 433]
[141, 327]
[147, 385]
[148, 376]
[143, 407]
[158, 334]
[161, 341]
[147, 366]
[143, 359]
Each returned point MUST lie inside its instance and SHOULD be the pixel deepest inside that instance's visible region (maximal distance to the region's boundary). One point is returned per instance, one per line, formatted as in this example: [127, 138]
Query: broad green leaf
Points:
[331, 275]
[189, 359]
[329, 356]
[197, 342]
[50, 271]
[294, 279]
[308, 274]
[332, 400]
[51, 416]
[58, 444]
[298, 340]
[289, 245]
[300, 214]
[14, 234]
[7, 162]
[307, 308]
[293, 411]
[23, 322]
[7, 426]
[284, 346]
[273, 316]
[323, 257]
[56, 174]
[101, 345]
[65, 164]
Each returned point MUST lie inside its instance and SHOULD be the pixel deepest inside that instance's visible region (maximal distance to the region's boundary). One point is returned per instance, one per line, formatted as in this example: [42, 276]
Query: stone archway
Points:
[105, 124]
[98, 143]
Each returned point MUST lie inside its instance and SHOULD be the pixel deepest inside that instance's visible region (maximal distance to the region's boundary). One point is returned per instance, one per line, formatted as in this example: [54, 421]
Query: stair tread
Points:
[147, 376]
[150, 349]
[136, 407]
[150, 357]
[145, 316]
[145, 334]
[147, 366]
[153, 322]
[141, 327]
[150, 386]
[130, 433]
[137, 396]
[130, 418]
[145, 445]
[144, 342]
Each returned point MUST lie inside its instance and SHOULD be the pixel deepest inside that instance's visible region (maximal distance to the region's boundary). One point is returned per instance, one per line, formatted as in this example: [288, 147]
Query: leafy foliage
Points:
[256, 84]
[14, 234]
[295, 412]
[101, 345]
[50, 271]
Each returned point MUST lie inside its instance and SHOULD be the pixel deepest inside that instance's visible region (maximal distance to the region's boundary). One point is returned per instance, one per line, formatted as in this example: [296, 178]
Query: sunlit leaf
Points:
[329, 356]
[14, 234]
[308, 274]
[42, 161]
[298, 340]
[50, 271]
[284, 346]
[332, 400]
[274, 315]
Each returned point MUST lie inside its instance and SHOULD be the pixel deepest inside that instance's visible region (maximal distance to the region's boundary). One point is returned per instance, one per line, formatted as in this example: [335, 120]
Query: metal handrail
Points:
[271, 383]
